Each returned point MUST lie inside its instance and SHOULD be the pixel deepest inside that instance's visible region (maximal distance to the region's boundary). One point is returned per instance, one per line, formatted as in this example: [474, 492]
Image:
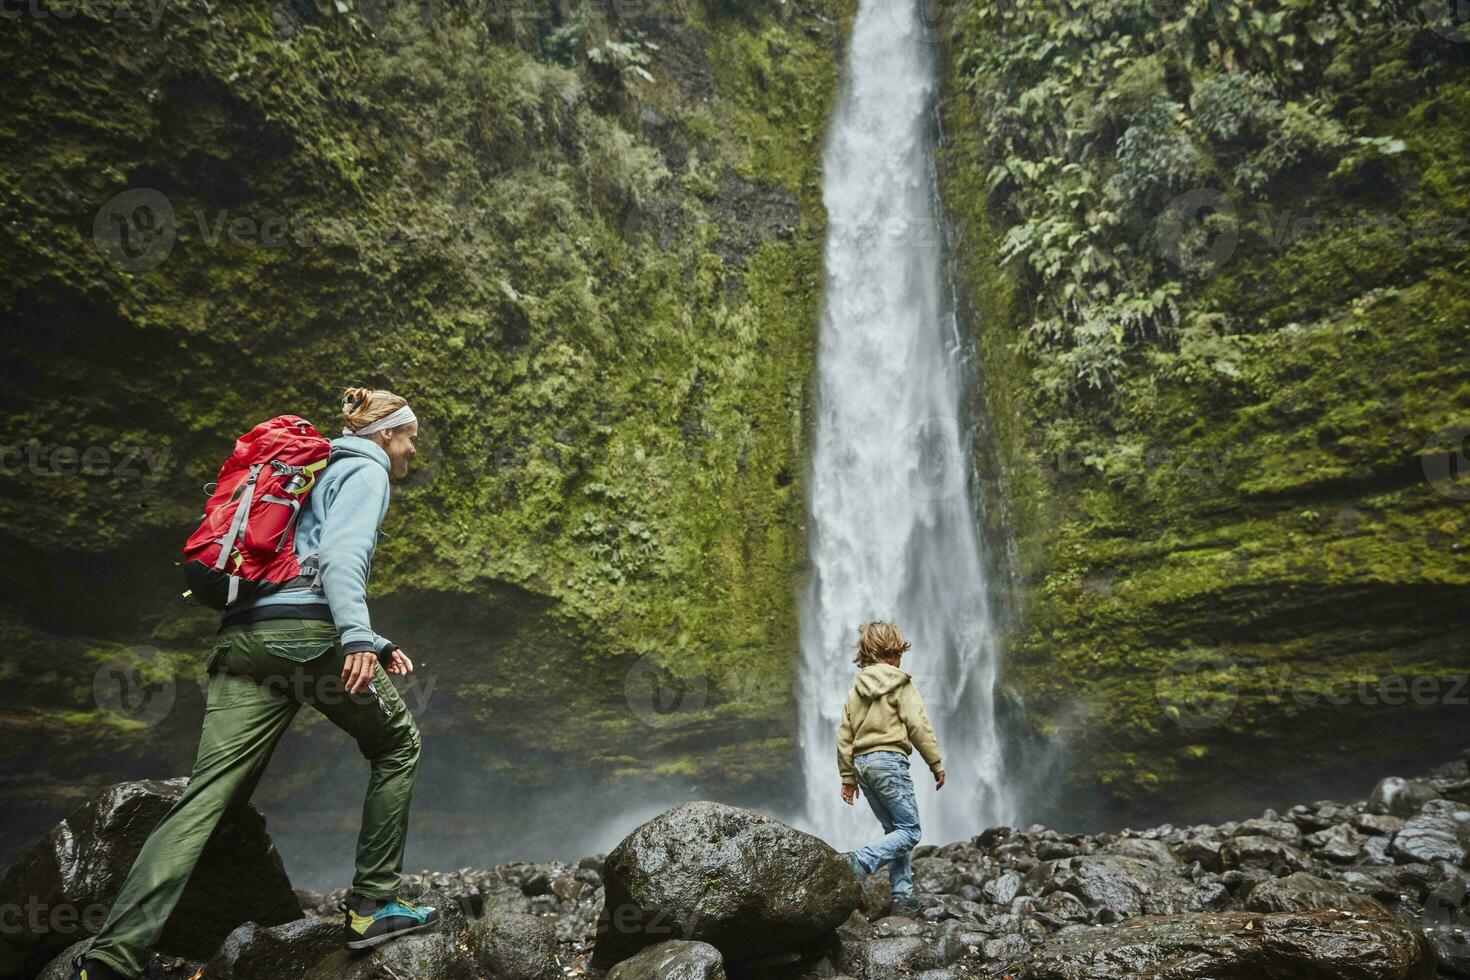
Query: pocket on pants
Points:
[299, 649]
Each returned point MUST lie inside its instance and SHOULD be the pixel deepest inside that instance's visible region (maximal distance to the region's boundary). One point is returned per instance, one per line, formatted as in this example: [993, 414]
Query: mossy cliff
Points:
[583, 239]
[1215, 258]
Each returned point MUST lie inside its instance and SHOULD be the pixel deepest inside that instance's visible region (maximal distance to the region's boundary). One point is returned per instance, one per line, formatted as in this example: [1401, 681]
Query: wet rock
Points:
[672, 960]
[1115, 887]
[748, 885]
[1144, 849]
[1301, 891]
[1320, 945]
[1451, 947]
[515, 946]
[424, 957]
[1266, 853]
[1201, 849]
[1003, 890]
[1380, 824]
[1288, 833]
[1340, 844]
[72, 875]
[936, 875]
[1399, 797]
[284, 952]
[1439, 832]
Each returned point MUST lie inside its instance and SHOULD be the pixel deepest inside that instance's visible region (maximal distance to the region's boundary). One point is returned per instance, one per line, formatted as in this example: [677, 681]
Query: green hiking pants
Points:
[259, 676]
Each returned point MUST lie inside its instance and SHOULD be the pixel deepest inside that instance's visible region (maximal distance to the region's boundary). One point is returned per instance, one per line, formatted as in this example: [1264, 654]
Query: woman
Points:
[310, 642]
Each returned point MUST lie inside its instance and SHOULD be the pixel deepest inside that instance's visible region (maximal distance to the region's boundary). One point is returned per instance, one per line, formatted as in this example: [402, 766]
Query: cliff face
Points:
[582, 239]
[1215, 255]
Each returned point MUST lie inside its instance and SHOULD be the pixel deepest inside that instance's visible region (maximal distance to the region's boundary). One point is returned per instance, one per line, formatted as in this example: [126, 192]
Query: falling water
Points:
[892, 530]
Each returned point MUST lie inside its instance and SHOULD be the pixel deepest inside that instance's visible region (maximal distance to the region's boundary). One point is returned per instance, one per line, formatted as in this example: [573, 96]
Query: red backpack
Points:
[247, 541]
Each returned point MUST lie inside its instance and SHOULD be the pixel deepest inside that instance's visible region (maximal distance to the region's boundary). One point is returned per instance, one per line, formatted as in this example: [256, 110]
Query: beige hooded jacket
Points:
[884, 711]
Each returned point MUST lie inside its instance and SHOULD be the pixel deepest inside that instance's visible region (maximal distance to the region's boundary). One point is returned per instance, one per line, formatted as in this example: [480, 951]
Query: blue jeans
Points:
[884, 778]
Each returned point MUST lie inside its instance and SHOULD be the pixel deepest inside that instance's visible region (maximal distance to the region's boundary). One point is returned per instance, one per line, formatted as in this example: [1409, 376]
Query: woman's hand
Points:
[849, 793]
[938, 781]
[398, 662]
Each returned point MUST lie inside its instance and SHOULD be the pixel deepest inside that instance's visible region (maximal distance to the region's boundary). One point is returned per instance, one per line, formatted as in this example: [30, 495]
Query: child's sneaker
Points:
[373, 923]
[905, 905]
[857, 869]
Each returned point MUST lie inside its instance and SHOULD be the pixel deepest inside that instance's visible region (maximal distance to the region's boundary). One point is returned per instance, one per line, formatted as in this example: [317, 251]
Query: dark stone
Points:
[434, 956]
[78, 868]
[1201, 849]
[1003, 890]
[1115, 886]
[1380, 824]
[1320, 945]
[747, 884]
[1301, 891]
[673, 960]
[1283, 831]
[936, 875]
[515, 946]
[1399, 797]
[1340, 844]
[284, 952]
[1439, 832]
[1265, 853]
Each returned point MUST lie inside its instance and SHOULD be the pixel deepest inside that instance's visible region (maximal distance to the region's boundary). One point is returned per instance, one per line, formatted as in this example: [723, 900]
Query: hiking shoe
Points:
[85, 969]
[905, 905]
[374, 923]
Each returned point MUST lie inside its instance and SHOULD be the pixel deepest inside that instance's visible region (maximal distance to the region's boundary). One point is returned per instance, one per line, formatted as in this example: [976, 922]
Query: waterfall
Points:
[892, 529]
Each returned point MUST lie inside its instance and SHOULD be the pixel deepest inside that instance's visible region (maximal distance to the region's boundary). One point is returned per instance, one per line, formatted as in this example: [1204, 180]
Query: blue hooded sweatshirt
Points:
[340, 525]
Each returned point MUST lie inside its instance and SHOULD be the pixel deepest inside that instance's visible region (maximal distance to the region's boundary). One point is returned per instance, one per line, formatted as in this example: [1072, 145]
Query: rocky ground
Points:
[1365, 889]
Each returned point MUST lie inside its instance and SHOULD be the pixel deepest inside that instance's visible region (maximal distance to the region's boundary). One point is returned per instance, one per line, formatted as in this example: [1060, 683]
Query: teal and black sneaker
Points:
[85, 969]
[371, 922]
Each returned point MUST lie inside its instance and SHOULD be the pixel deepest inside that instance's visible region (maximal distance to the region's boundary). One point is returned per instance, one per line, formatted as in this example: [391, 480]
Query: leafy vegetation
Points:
[1215, 255]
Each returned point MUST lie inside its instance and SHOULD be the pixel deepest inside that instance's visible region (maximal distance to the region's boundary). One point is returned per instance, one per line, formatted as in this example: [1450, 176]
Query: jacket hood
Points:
[359, 446]
[876, 680]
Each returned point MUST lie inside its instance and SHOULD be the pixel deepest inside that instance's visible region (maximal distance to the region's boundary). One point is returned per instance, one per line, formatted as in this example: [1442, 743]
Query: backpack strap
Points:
[236, 530]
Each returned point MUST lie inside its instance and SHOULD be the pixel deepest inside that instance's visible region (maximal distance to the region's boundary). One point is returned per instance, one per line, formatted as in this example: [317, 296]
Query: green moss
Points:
[612, 374]
[1245, 515]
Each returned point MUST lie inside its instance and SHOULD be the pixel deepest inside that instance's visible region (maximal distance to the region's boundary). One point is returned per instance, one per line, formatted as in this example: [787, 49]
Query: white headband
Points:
[392, 420]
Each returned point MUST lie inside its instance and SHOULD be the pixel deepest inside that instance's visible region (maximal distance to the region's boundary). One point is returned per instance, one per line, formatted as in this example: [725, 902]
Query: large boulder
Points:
[432, 956]
[1115, 886]
[284, 952]
[1301, 891]
[746, 884]
[673, 960]
[515, 946]
[1320, 945]
[65, 883]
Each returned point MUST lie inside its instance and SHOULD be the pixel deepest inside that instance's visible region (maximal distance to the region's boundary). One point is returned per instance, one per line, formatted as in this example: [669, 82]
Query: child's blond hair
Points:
[878, 641]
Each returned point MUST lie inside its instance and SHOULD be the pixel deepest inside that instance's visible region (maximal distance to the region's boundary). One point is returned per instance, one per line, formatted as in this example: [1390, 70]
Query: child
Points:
[882, 718]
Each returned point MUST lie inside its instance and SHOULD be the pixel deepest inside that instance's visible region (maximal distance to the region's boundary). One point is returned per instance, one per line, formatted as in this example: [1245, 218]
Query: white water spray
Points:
[892, 529]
